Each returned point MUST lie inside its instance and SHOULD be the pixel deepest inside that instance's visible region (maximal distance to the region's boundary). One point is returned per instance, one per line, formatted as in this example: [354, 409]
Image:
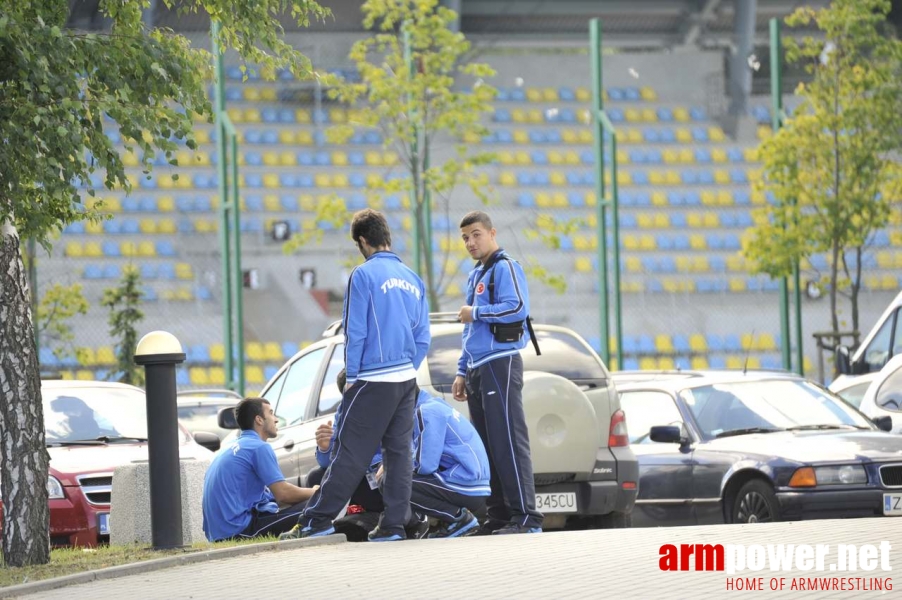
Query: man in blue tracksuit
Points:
[451, 468]
[386, 325]
[490, 376]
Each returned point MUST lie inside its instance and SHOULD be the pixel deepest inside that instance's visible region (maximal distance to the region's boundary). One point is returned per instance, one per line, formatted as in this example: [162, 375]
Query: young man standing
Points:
[244, 486]
[386, 325]
[490, 376]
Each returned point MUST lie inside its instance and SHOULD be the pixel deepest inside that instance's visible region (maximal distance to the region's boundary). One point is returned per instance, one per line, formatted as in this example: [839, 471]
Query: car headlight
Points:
[837, 475]
[55, 488]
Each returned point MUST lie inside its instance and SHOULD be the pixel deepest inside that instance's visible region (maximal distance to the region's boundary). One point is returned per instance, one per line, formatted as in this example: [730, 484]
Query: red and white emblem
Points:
[480, 287]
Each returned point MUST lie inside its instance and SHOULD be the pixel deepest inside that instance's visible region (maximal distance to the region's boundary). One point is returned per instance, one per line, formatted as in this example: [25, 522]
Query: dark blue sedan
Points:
[734, 448]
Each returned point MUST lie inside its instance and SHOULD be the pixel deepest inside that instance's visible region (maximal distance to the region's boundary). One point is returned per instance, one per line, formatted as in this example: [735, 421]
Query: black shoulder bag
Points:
[508, 332]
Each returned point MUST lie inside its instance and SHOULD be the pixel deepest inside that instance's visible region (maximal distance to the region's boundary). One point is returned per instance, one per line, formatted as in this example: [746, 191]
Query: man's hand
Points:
[459, 389]
[380, 473]
[465, 315]
[324, 436]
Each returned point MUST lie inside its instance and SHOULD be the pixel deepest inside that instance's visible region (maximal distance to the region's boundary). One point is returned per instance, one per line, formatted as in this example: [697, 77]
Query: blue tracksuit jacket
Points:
[511, 304]
[385, 318]
[445, 444]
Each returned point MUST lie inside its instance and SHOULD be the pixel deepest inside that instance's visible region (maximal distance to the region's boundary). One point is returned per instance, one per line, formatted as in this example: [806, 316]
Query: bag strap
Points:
[532, 334]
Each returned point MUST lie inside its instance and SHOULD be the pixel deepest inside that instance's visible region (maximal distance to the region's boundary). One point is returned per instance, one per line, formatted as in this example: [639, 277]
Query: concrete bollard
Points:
[130, 504]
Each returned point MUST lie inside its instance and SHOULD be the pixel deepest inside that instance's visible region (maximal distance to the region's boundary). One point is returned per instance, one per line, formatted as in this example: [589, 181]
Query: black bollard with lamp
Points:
[159, 352]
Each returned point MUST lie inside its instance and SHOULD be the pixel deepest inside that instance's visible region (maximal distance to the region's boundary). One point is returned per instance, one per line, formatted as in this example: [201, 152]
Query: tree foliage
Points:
[830, 168]
[61, 92]
[124, 303]
[411, 92]
[59, 304]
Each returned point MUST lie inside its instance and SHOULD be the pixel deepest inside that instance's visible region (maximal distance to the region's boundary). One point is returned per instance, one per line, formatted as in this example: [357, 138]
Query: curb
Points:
[165, 563]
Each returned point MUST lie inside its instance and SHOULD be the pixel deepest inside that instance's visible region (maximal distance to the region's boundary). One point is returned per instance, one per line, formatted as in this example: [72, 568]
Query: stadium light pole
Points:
[777, 115]
[603, 124]
[229, 227]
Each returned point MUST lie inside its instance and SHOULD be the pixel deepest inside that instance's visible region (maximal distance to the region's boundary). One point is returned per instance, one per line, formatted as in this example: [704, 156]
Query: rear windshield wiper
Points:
[732, 432]
[119, 438]
[824, 426]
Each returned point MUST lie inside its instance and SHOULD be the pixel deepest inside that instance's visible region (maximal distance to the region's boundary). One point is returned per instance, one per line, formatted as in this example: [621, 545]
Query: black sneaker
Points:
[465, 524]
[516, 528]
[308, 531]
[418, 527]
[381, 535]
[489, 526]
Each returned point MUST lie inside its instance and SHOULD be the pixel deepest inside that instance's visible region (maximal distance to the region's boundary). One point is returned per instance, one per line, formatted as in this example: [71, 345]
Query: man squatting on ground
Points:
[490, 376]
[243, 484]
[386, 325]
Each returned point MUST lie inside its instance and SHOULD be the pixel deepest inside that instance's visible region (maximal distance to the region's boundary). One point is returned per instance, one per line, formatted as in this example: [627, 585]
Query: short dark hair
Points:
[372, 226]
[476, 216]
[248, 410]
[340, 380]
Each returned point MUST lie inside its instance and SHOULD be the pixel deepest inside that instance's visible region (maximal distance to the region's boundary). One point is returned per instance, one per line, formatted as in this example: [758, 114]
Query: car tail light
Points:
[618, 436]
[629, 485]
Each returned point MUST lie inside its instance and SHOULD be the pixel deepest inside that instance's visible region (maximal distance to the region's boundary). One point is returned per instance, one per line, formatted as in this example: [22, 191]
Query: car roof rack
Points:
[335, 327]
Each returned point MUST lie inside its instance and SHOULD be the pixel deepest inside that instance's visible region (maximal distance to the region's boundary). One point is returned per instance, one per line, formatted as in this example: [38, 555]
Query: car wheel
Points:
[756, 503]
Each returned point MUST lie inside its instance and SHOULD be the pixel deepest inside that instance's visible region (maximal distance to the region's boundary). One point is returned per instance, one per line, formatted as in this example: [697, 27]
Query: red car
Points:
[91, 428]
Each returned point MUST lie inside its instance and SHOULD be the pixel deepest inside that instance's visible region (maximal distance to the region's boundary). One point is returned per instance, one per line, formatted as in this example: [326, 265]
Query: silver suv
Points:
[586, 474]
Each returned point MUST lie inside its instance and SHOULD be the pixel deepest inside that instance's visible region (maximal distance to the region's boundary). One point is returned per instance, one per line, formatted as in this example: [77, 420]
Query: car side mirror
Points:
[208, 440]
[884, 423]
[667, 434]
[226, 418]
[843, 358]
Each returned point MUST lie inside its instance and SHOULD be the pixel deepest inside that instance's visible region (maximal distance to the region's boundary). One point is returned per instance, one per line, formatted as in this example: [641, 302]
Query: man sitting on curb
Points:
[451, 467]
[243, 484]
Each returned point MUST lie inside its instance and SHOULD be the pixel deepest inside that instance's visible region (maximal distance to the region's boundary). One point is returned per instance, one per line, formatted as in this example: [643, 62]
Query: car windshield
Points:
[202, 416]
[562, 354]
[88, 413]
[768, 405]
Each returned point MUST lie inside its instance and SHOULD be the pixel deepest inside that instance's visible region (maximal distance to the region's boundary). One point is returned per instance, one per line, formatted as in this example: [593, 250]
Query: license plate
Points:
[892, 505]
[103, 523]
[559, 502]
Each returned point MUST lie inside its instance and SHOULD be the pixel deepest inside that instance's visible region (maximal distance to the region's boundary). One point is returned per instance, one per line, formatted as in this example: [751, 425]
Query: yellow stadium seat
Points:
[647, 242]
[338, 115]
[735, 362]
[74, 249]
[147, 249]
[236, 115]
[737, 284]
[697, 242]
[252, 115]
[390, 158]
[671, 156]
[687, 156]
[522, 158]
[555, 158]
[623, 157]
[507, 178]
[699, 363]
[571, 157]
[673, 178]
[373, 158]
[271, 159]
[633, 264]
[630, 241]
[217, 376]
[747, 341]
[518, 115]
[750, 154]
[735, 263]
[521, 136]
[536, 116]
[632, 115]
[683, 135]
[715, 134]
[304, 138]
[583, 94]
[885, 259]
[708, 198]
[287, 159]
[373, 180]
[270, 94]
[253, 374]
[648, 94]
[666, 363]
[649, 115]
[340, 180]
[198, 376]
[184, 271]
[166, 226]
[534, 94]
[93, 249]
[202, 136]
[217, 352]
[583, 264]
[251, 94]
[659, 199]
[764, 132]
[549, 95]
[719, 155]
[711, 219]
[271, 180]
[657, 177]
[302, 115]
[106, 355]
[648, 363]
[645, 220]
[288, 137]
[662, 220]
[888, 282]
[543, 200]
[634, 136]
[589, 198]
[128, 249]
[670, 285]
[559, 200]
[697, 343]
[700, 264]
[586, 136]
[322, 180]
[165, 204]
[663, 343]
[339, 158]
[557, 178]
[84, 375]
[147, 226]
[94, 227]
[569, 136]
[254, 351]
[272, 351]
[758, 197]
[767, 342]
[130, 159]
[681, 115]
[683, 264]
[506, 158]
[725, 198]
[722, 177]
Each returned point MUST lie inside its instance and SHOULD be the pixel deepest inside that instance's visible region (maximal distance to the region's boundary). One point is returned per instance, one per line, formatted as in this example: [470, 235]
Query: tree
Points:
[58, 305]
[124, 302]
[830, 168]
[408, 70]
[60, 91]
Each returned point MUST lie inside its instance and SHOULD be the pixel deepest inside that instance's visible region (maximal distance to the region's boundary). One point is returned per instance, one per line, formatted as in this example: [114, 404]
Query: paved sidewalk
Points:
[619, 563]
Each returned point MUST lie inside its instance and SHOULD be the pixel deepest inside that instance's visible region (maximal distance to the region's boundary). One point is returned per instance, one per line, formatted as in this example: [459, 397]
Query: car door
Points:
[301, 378]
[285, 456]
[324, 403]
[665, 470]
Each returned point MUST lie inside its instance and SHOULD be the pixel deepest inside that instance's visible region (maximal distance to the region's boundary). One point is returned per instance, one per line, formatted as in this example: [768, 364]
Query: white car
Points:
[853, 389]
[884, 396]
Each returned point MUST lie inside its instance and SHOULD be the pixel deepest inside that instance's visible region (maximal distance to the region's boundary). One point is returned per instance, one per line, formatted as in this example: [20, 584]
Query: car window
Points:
[889, 396]
[275, 390]
[896, 346]
[877, 352]
[854, 393]
[644, 409]
[330, 395]
[84, 413]
[296, 392]
[562, 354]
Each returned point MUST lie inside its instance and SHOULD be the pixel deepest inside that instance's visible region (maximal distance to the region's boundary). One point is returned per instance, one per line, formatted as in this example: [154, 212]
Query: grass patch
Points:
[68, 561]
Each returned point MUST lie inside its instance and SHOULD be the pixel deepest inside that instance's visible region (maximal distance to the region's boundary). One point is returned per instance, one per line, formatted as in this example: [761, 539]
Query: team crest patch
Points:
[480, 287]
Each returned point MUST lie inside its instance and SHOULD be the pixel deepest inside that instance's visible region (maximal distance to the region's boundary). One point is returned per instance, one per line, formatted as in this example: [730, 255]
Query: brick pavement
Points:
[619, 563]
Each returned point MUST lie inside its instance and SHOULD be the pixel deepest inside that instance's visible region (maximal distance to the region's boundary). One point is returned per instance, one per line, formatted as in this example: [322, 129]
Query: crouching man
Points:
[451, 468]
[244, 487]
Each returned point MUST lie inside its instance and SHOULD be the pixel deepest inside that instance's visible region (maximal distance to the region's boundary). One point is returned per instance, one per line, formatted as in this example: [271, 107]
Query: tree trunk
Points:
[834, 277]
[24, 459]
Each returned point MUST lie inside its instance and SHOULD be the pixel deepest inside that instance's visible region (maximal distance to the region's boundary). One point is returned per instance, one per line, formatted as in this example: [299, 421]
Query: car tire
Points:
[755, 503]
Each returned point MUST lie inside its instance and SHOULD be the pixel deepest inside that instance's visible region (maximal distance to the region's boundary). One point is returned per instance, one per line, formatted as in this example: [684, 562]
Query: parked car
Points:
[883, 397]
[584, 470]
[755, 447]
[198, 409]
[883, 342]
[853, 389]
[92, 427]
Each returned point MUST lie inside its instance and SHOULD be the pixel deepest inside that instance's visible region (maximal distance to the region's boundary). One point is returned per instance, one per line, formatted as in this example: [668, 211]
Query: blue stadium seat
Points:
[731, 241]
[113, 226]
[305, 159]
[203, 181]
[576, 199]
[253, 136]
[675, 198]
[253, 203]
[503, 136]
[75, 228]
[503, 95]
[165, 248]
[615, 115]
[393, 203]
[616, 94]
[702, 155]
[286, 115]
[288, 180]
[680, 240]
[665, 115]
[253, 180]
[356, 159]
[637, 156]
[148, 271]
[269, 372]
[130, 204]
[677, 219]
[269, 115]
[270, 137]
[696, 113]
[667, 136]
[204, 293]
[526, 200]
[714, 342]
[649, 264]
[732, 343]
[357, 202]
[150, 294]
[632, 94]
[630, 344]
[539, 157]
[537, 136]
[184, 204]
[253, 158]
[517, 95]
[642, 199]
[692, 198]
[251, 225]
[714, 241]
[288, 203]
[680, 343]
[667, 264]
[502, 115]
[552, 137]
[112, 271]
[647, 344]
[630, 364]
[738, 176]
[689, 177]
[166, 271]
[322, 159]
[587, 157]
[186, 226]
[47, 358]
[744, 220]
[699, 134]
[664, 241]
[202, 204]
[741, 198]
[735, 155]
[110, 248]
[639, 177]
[651, 135]
[653, 156]
[627, 220]
[566, 115]
[717, 362]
